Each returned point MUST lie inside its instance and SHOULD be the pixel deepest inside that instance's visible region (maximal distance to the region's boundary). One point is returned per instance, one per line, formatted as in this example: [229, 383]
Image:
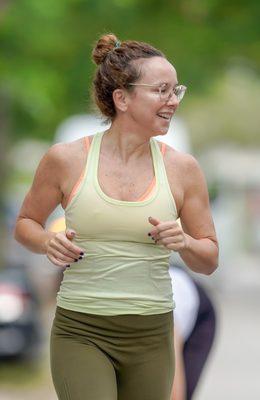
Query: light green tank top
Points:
[123, 270]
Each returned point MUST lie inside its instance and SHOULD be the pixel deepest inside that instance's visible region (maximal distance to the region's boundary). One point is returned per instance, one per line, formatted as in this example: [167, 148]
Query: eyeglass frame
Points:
[184, 88]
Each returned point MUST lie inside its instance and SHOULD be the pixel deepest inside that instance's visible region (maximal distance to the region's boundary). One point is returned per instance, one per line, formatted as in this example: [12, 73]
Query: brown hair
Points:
[116, 68]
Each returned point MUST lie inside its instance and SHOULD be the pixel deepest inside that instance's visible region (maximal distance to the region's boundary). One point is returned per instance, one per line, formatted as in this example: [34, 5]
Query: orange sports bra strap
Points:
[163, 149]
[77, 184]
[87, 143]
[152, 184]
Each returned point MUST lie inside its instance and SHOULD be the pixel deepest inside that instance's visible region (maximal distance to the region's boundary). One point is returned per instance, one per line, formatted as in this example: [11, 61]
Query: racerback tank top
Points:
[123, 270]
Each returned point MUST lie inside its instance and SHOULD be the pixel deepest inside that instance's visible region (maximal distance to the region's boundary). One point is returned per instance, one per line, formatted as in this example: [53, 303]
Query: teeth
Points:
[165, 116]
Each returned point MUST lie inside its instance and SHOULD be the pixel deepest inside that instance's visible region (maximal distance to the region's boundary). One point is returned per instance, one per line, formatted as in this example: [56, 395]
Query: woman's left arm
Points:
[195, 239]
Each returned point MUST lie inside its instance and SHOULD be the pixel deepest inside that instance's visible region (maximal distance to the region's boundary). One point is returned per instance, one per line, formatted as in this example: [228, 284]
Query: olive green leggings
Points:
[121, 357]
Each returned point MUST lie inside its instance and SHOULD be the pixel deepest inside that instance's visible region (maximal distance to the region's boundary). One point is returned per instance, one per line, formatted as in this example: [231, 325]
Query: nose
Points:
[173, 99]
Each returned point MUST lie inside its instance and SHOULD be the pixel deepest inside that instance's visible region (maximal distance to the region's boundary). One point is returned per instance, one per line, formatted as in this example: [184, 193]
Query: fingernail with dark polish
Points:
[67, 266]
[80, 258]
[81, 253]
[149, 234]
[153, 238]
[76, 260]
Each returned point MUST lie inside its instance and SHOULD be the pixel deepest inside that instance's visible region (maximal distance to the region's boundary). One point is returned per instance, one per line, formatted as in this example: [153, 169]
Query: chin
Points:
[162, 131]
[159, 130]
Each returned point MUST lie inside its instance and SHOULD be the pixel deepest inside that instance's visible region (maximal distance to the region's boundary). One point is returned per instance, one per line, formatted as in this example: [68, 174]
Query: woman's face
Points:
[147, 108]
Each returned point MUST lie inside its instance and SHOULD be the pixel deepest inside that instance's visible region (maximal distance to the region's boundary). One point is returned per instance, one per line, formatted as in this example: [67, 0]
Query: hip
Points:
[126, 329]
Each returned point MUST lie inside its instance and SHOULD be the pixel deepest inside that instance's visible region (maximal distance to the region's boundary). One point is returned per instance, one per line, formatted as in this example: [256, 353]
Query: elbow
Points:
[211, 269]
[212, 265]
[213, 261]
[206, 268]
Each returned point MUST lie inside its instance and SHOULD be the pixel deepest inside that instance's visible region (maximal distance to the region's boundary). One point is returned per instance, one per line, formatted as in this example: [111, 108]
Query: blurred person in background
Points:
[122, 192]
[194, 332]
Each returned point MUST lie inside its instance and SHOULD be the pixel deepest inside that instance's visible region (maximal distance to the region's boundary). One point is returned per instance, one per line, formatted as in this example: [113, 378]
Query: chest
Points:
[126, 182]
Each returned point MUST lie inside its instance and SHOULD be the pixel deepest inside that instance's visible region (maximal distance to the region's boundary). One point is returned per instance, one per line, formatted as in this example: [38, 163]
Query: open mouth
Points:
[167, 117]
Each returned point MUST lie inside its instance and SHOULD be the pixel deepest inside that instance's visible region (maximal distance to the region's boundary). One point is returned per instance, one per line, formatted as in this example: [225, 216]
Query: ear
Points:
[120, 98]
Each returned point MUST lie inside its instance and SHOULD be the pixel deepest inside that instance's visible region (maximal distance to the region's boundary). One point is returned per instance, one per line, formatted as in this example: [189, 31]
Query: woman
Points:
[122, 192]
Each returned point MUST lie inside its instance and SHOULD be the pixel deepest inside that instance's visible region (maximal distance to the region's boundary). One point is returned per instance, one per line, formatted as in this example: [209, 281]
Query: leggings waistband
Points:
[128, 325]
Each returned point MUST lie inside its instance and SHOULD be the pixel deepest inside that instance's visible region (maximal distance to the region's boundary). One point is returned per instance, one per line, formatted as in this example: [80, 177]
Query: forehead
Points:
[157, 69]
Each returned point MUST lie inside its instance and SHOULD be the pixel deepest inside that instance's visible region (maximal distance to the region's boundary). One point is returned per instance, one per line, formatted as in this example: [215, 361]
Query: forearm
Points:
[200, 255]
[32, 235]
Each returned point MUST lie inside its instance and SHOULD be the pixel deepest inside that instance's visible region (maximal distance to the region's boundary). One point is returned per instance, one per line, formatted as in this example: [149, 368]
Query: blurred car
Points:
[20, 326]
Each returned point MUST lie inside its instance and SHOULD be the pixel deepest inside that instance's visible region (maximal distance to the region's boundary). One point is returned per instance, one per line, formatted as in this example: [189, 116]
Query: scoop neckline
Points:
[125, 202]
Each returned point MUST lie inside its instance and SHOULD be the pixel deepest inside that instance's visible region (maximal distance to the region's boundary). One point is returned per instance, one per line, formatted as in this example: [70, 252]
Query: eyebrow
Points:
[167, 83]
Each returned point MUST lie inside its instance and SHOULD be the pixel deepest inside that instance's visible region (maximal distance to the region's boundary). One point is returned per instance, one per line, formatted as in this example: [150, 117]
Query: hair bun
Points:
[103, 46]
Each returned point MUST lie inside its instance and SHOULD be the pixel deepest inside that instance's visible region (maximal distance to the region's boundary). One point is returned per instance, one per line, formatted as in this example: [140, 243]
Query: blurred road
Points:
[233, 369]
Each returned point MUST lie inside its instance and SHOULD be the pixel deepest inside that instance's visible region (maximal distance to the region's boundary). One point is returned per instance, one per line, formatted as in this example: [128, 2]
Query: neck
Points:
[126, 143]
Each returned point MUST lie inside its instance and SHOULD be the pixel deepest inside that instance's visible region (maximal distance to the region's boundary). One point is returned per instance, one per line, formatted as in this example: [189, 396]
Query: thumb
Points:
[153, 221]
[70, 233]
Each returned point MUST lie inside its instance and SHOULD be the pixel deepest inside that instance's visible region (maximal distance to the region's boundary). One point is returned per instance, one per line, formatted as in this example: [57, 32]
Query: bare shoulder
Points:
[184, 163]
[184, 160]
[175, 157]
[184, 175]
[62, 152]
[65, 155]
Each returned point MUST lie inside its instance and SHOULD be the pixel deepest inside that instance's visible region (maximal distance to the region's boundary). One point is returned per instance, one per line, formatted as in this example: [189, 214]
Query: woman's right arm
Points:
[43, 197]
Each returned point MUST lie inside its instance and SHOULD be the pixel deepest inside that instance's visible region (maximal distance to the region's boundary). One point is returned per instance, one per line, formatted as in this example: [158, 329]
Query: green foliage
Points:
[230, 113]
[46, 66]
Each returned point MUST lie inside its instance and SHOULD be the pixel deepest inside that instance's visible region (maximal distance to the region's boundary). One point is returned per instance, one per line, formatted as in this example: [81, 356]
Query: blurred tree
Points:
[46, 67]
[229, 114]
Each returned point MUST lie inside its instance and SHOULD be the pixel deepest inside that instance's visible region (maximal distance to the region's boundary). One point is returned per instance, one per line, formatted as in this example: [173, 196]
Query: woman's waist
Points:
[119, 278]
[125, 326]
[117, 299]
[123, 285]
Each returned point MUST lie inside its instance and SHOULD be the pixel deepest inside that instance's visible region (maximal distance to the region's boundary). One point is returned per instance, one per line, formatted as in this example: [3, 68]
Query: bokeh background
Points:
[46, 74]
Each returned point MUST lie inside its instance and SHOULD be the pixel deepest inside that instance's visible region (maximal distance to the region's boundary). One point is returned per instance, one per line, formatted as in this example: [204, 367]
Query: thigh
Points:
[81, 371]
[150, 377]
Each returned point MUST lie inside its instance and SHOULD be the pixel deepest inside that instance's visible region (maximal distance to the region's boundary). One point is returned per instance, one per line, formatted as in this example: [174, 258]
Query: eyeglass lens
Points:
[167, 93]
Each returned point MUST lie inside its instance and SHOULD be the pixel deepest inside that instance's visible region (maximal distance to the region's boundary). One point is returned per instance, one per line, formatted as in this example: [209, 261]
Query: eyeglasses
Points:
[165, 92]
